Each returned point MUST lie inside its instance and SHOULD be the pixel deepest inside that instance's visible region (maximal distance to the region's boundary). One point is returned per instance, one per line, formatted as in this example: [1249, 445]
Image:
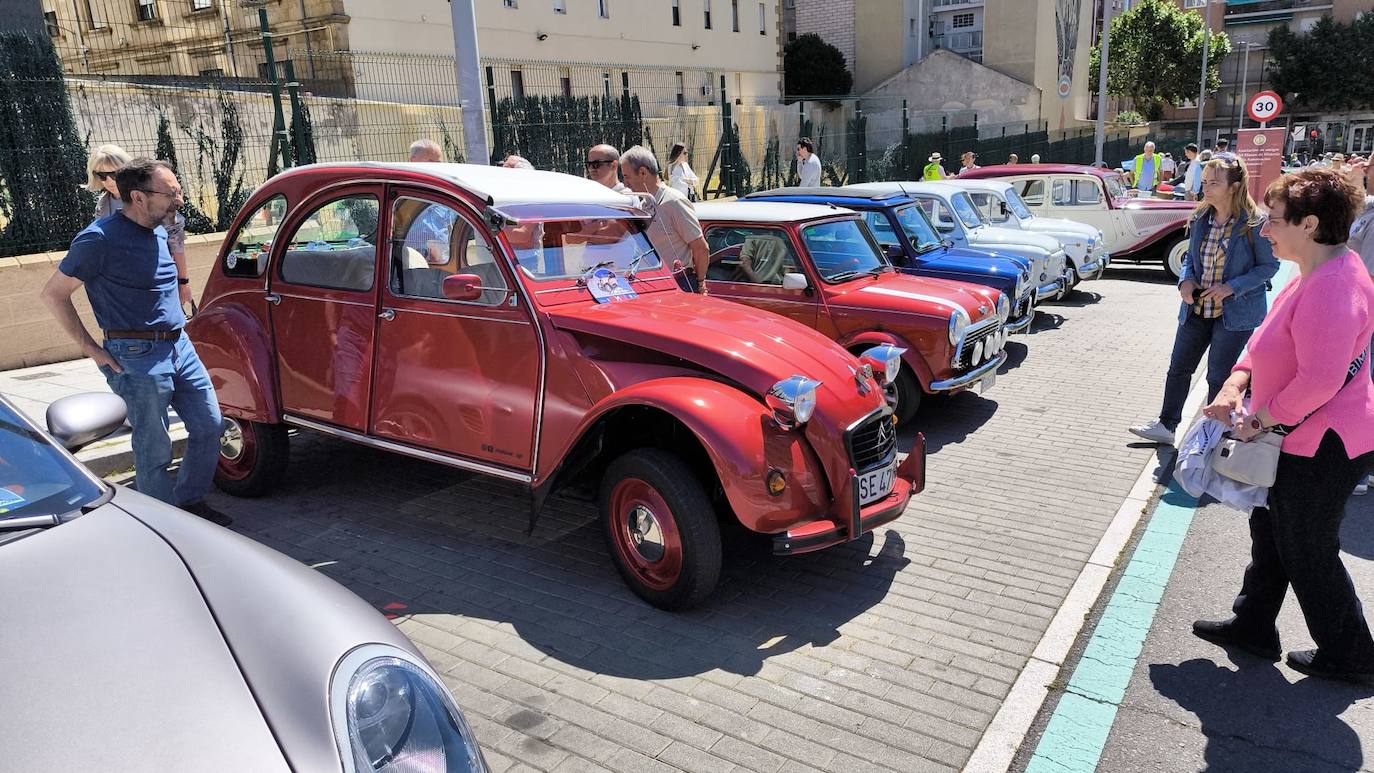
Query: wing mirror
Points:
[795, 281]
[463, 287]
[79, 420]
[893, 251]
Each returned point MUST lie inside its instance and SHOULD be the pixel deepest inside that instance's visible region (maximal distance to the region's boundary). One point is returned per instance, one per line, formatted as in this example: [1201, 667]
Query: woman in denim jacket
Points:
[1225, 275]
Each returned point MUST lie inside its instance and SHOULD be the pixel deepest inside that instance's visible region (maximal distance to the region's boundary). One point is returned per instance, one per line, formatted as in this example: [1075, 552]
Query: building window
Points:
[681, 96]
[147, 10]
[560, 6]
[510, 3]
[50, 21]
[734, 15]
[565, 82]
[606, 85]
[962, 20]
[763, 19]
[517, 85]
[200, 5]
[912, 24]
[1194, 3]
[706, 8]
[93, 21]
[677, 13]
[603, 9]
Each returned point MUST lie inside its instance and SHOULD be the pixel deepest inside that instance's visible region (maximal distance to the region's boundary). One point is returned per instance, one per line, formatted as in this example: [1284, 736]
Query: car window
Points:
[968, 214]
[990, 207]
[1086, 192]
[841, 249]
[247, 255]
[1115, 188]
[1017, 206]
[1033, 191]
[881, 228]
[940, 215]
[36, 478]
[565, 249]
[335, 246]
[1061, 193]
[750, 255]
[918, 228]
[432, 241]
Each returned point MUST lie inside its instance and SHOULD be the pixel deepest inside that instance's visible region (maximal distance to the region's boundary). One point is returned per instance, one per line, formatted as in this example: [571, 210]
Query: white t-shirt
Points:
[810, 172]
[682, 179]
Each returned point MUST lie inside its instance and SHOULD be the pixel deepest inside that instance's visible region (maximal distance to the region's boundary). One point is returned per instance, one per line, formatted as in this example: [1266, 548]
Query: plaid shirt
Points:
[1213, 264]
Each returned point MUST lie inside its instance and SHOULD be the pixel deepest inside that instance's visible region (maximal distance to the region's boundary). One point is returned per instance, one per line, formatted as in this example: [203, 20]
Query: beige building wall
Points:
[878, 42]
[1022, 39]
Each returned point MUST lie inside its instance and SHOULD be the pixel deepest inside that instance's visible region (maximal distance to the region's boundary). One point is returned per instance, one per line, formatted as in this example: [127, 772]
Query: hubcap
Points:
[645, 534]
[1176, 259]
[231, 440]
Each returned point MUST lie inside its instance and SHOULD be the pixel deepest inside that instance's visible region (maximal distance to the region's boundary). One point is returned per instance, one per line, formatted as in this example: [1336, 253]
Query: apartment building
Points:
[677, 49]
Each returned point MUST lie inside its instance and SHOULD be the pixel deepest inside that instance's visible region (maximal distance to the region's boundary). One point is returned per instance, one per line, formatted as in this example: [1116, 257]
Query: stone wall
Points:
[996, 98]
[28, 333]
[833, 20]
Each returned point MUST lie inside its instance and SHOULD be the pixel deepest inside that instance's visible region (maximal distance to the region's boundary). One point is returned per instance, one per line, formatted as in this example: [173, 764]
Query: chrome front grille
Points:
[872, 442]
[966, 352]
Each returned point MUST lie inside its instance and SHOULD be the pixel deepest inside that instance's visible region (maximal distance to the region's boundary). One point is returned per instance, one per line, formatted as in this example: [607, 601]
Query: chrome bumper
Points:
[1020, 325]
[1050, 290]
[1093, 270]
[959, 382]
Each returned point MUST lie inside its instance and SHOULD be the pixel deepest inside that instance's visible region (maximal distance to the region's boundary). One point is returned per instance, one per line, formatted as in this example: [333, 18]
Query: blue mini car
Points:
[892, 216]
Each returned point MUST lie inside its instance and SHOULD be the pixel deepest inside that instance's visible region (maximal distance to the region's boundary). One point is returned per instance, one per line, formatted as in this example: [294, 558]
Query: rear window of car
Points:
[248, 250]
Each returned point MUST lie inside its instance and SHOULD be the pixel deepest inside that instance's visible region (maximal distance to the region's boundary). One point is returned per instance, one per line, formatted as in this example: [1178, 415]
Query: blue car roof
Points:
[832, 196]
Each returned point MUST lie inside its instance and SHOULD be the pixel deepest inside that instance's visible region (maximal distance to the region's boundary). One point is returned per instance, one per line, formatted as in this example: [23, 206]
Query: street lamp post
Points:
[1244, 84]
[1202, 89]
[468, 63]
[1100, 137]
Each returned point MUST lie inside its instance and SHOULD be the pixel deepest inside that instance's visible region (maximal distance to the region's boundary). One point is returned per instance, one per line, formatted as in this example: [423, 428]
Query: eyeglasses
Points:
[168, 194]
[593, 163]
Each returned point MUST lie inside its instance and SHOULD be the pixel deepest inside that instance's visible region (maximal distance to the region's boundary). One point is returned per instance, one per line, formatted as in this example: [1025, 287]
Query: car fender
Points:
[743, 444]
[1158, 238]
[913, 356]
[237, 352]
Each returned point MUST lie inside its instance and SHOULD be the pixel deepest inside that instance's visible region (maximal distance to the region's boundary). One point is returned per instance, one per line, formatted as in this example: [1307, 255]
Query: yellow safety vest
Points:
[932, 171]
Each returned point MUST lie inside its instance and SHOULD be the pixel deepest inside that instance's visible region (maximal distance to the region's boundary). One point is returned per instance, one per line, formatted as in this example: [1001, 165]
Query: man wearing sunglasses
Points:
[603, 165]
[131, 281]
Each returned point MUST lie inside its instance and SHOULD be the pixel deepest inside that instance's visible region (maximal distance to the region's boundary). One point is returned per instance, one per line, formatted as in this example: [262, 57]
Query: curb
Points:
[116, 455]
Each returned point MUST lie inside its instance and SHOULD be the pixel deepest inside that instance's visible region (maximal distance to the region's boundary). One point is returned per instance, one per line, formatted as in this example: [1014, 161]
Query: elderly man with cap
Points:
[933, 170]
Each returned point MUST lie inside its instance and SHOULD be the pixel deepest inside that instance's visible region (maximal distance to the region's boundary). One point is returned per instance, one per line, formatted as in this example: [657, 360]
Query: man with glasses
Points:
[131, 281]
[603, 165]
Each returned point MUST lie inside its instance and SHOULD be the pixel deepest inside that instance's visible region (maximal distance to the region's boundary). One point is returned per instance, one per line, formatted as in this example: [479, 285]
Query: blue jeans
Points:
[158, 374]
[1198, 335]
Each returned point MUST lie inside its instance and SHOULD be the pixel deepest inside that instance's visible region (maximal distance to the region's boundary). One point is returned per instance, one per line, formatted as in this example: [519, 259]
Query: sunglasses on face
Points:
[597, 163]
[103, 176]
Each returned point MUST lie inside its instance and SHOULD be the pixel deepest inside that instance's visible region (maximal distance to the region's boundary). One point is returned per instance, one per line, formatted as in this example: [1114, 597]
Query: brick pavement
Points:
[890, 653]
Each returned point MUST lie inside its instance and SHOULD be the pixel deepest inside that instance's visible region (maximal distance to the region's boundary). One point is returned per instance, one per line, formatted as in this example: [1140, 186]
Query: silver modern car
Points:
[137, 637]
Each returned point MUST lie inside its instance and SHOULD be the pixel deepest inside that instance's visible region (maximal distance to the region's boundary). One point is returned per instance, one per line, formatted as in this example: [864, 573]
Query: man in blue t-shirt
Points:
[131, 281]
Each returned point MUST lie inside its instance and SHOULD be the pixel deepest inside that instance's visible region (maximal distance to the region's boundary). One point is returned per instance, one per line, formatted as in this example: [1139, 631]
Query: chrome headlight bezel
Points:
[958, 323]
[792, 401]
[363, 663]
[885, 360]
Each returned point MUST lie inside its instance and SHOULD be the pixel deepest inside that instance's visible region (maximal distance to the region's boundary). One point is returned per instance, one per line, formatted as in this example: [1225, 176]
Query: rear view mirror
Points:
[462, 287]
[79, 420]
[794, 281]
[893, 251]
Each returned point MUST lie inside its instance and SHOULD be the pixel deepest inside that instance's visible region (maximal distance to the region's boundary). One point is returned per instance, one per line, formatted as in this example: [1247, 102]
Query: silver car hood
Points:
[112, 662]
[1058, 225]
[996, 235]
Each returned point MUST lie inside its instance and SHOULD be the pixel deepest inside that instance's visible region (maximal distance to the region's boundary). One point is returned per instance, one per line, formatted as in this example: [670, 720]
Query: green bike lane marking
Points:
[1077, 732]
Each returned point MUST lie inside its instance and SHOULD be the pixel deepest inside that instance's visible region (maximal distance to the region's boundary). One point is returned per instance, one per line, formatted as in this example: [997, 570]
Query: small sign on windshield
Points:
[609, 287]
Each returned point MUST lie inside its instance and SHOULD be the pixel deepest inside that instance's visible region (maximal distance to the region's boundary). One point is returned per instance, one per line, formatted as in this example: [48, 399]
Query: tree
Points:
[813, 67]
[1156, 56]
[1317, 70]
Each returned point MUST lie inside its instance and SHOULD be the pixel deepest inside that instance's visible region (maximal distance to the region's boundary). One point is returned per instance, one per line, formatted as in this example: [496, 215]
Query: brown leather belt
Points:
[145, 335]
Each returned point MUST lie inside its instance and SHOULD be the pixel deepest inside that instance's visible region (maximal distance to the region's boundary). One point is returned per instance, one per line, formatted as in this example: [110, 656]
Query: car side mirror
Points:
[795, 281]
[79, 420]
[462, 287]
[893, 251]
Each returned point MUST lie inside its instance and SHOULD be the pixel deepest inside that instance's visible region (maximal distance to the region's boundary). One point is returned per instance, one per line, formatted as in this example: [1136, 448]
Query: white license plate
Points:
[877, 484]
[988, 382]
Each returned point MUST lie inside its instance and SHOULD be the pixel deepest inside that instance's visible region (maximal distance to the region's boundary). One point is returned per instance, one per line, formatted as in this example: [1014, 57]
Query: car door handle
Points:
[387, 314]
[273, 298]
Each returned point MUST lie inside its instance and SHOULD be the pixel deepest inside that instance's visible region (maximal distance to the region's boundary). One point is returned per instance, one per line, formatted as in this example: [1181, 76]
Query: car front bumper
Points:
[1050, 290]
[965, 380]
[1022, 323]
[850, 521]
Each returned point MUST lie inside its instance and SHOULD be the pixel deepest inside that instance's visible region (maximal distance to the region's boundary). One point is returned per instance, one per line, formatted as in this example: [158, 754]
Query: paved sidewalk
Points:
[891, 653]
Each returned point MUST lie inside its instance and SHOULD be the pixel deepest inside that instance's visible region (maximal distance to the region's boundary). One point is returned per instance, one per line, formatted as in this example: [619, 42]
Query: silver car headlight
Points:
[1003, 308]
[885, 360]
[392, 714]
[958, 323]
[792, 401]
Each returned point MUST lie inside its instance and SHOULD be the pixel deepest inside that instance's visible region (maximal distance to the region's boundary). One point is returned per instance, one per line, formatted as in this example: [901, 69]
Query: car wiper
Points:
[20, 522]
[632, 271]
[847, 275]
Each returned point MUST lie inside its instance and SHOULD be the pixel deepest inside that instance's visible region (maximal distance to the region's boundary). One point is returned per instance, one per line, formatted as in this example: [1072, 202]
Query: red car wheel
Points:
[646, 535]
[252, 457]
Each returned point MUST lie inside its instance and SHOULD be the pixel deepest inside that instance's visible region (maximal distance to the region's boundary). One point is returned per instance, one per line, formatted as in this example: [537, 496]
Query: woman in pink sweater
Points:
[1299, 374]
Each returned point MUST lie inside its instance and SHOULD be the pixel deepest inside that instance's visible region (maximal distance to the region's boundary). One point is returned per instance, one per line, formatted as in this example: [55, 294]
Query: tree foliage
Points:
[1318, 70]
[813, 67]
[1156, 56]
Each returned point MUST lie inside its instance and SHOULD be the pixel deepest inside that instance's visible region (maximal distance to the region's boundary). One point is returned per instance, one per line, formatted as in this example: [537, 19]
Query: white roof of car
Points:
[509, 186]
[908, 186]
[765, 211]
[996, 186]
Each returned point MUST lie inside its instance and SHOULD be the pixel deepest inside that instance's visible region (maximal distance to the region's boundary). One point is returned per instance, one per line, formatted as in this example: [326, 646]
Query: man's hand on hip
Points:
[103, 357]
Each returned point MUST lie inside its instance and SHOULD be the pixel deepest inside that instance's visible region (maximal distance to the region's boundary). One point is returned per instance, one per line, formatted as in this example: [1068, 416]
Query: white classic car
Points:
[1000, 205]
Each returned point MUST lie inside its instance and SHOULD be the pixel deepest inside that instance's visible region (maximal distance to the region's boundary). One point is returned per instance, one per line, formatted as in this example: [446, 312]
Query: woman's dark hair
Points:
[1319, 192]
[678, 150]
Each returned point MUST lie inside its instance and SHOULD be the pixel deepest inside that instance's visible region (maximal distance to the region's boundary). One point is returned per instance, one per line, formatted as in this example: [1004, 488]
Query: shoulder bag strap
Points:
[1355, 365]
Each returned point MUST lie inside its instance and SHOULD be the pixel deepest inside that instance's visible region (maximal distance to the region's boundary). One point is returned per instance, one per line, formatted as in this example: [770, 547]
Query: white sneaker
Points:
[1362, 487]
[1154, 432]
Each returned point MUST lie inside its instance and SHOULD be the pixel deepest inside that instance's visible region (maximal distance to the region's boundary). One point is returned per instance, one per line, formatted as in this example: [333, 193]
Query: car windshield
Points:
[842, 249]
[1115, 188]
[35, 477]
[565, 249]
[1017, 206]
[918, 229]
[967, 212]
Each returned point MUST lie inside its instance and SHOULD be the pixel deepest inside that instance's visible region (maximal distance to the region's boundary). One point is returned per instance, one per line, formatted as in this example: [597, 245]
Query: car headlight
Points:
[1003, 308]
[792, 401]
[958, 322]
[391, 714]
[885, 360]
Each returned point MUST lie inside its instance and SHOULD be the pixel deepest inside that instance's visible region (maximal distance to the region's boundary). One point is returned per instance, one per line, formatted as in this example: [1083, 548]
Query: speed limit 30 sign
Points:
[1264, 106]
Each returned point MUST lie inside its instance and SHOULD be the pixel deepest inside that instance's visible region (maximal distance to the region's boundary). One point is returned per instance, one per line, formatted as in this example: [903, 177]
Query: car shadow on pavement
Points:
[1045, 320]
[452, 550]
[1016, 354]
[1153, 274]
[1079, 299]
[1255, 720]
[947, 419]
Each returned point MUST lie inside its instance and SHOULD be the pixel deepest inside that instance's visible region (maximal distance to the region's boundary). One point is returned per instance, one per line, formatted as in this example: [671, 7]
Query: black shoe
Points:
[1224, 633]
[207, 512]
[1313, 663]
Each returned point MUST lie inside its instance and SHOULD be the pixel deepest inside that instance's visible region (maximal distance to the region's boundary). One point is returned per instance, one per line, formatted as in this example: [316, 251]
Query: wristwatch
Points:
[183, 280]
